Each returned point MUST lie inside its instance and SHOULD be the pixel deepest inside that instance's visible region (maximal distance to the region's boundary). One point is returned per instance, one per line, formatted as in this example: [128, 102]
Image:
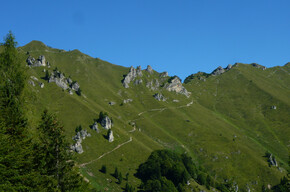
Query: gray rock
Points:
[106, 123]
[138, 81]
[95, 127]
[41, 85]
[112, 103]
[273, 107]
[153, 85]
[70, 92]
[77, 147]
[133, 73]
[139, 71]
[31, 83]
[34, 78]
[111, 136]
[218, 71]
[69, 81]
[259, 66]
[149, 69]
[159, 97]
[127, 100]
[30, 61]
[273, 161]
[59, 79]
[229, 67]
[39, 62]
[75, 86]
[175, 101]
[164, 74]
[176, 85]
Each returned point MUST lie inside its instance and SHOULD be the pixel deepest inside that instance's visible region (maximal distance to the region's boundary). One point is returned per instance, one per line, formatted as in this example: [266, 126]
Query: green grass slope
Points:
[227, 124]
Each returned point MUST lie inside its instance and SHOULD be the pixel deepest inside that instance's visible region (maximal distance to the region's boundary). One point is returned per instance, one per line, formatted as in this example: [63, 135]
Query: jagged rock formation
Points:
[78, 138]
[153, 85]
[95, 127]
[65, 83]
[110, 136]
[273, 161]
[149, 69]
[176, 85]
[138, 81]
[259, 66]
[159, 97]
[164, 74]
[218, 71]
[133, 73]
[106, 123]
[199, 75]
[36, 63]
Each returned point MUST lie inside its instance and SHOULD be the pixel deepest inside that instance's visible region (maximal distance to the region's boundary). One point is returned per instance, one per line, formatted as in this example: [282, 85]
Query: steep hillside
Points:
[226, 121]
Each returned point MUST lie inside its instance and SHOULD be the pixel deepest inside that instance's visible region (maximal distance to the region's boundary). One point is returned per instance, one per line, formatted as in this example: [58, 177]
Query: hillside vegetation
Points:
[226, 124]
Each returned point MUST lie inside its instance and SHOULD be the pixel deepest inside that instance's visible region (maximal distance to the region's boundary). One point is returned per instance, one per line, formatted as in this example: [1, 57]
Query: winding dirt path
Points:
[120, 145]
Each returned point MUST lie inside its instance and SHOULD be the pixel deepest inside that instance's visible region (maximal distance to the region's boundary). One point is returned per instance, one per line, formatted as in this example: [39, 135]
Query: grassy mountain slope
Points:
[227, 124]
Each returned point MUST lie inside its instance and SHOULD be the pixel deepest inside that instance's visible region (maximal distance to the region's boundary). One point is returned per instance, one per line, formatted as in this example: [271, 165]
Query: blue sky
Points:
[180, 36]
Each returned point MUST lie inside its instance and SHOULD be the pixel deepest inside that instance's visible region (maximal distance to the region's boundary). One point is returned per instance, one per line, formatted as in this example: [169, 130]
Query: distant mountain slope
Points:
[227, 123]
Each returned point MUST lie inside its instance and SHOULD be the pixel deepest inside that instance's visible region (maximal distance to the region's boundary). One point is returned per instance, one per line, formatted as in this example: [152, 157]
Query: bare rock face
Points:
[149, 69]
[133, 73]
[159, 97]
[106, 123]
[110, 136]
[77, 147]
[65, 83]
[176, 85]
[218, 71]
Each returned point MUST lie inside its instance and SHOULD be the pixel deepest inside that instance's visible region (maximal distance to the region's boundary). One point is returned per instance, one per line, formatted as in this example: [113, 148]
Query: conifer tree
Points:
[16, 173]
[54, 158]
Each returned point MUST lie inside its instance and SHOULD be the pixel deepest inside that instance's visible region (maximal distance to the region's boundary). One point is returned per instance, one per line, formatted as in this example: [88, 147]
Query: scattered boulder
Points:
[106, 123]
[41, 85]
[159, 97]
[31, 83]
[34, 78]
[70, 92]
[273, 161]
[30, 61]
[110, 136]
[176, 85]
[127, 100]
[133, 73]
[149, 69]
[273, 107]
[112, 103]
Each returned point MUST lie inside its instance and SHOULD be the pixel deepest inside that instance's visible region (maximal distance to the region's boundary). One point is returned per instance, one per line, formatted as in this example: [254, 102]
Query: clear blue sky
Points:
[180, 36]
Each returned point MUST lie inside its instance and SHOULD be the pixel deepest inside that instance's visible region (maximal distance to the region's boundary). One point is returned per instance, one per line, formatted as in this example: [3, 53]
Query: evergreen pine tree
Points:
[54, 158]
[16, 173]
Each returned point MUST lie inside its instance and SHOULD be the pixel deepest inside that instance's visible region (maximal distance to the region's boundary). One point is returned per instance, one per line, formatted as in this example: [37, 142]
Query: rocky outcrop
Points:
[65, 83]
[110, 136]
[259, 66]
[273, 161]
[95, 127]
[229, 67]
[133, 73]
[176, 86]
[36, 63]
[138, 82]
[78, 138]
[159, 97]
[218, 71]
[149, 69]
[106, 123]
[31, 82]
[153, 85]
[164, 74]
